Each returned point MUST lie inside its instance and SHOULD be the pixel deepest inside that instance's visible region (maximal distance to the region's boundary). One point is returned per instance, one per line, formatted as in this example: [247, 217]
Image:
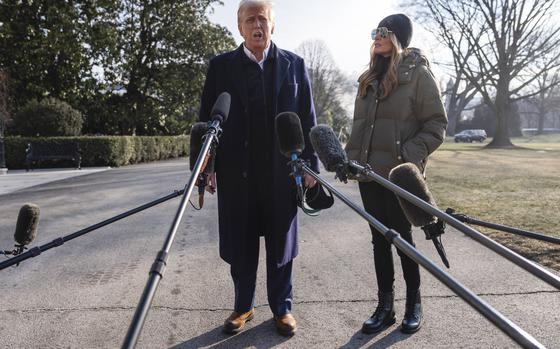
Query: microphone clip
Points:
[19, 249]
[341, 173]
[214, 127]
[297, 167]
[433, 231]
[352, 170]
[297, 174]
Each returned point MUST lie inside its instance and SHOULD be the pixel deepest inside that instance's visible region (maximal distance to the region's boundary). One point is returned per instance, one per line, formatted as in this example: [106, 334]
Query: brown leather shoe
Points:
[235, 322]
[285, 324]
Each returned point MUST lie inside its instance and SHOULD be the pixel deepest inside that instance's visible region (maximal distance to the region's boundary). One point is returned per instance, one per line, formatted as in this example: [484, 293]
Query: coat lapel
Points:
[282, 67]
[237, 77]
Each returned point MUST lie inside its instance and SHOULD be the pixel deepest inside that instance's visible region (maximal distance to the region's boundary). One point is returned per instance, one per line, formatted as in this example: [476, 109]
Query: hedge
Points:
[103, 150]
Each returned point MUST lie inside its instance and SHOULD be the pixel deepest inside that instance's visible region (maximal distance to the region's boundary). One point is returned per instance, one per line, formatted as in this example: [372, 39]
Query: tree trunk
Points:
[502, 109]
[501, 137]
[542, 117]
[453, 118]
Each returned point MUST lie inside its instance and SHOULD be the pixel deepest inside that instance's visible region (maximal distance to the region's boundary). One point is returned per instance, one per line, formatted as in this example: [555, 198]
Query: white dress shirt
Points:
[254, 59]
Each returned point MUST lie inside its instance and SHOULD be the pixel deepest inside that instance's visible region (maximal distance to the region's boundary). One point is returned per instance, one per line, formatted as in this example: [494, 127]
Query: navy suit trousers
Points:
[278, 279]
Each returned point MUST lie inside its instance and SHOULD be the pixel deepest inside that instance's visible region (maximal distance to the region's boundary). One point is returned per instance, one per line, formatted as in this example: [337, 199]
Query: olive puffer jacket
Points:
[406, 126]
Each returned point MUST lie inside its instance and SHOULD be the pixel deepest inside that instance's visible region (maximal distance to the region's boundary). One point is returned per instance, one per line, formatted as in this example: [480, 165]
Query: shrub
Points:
[47, 118]
[104, 150]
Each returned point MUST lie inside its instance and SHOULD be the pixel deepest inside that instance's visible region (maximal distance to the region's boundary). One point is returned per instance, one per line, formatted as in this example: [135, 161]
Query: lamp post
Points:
[3, 169]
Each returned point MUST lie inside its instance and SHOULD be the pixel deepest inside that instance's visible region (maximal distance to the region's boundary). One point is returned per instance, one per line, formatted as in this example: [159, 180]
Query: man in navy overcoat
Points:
[256, 196]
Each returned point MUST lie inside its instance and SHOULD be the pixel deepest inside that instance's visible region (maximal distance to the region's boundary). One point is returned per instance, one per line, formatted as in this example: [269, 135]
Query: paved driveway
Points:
[83, 294]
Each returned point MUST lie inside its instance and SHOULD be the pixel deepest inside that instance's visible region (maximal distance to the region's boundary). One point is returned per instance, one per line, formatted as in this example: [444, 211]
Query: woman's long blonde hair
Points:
[390, 81]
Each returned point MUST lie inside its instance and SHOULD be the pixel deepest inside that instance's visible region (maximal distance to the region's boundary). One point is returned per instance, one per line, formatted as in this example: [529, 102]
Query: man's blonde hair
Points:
[267, 4]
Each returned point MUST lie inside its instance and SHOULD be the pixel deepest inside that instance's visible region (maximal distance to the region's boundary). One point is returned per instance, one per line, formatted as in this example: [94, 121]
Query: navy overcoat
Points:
[292, 92]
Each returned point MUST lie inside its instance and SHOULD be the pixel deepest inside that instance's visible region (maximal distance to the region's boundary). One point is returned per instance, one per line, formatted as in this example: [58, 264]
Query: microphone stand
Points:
[516, 333]
[469, 220]
[158, 267]
[35, 251]
[503, 251]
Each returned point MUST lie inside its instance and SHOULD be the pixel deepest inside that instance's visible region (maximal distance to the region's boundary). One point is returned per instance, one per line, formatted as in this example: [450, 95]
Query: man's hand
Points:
[308, 181]
[211, 182]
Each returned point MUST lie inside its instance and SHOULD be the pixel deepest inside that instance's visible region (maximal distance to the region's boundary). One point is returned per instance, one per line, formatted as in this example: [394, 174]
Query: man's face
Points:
[256, 28]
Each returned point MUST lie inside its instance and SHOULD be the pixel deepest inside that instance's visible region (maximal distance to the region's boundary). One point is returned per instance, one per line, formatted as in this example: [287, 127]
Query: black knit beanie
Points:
[401, 26]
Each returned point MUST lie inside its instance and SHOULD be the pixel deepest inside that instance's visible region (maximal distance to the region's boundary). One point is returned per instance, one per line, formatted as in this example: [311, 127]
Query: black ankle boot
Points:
[412, 320]
[384, 315]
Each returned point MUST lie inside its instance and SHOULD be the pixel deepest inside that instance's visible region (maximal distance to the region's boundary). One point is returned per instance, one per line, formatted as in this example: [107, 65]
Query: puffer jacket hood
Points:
[413, 58]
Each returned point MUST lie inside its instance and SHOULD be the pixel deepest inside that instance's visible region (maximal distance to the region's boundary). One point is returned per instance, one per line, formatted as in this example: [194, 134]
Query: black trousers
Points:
[383, 205]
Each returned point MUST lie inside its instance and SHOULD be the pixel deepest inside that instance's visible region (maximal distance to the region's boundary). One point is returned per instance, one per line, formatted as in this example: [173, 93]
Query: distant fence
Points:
[545, 131]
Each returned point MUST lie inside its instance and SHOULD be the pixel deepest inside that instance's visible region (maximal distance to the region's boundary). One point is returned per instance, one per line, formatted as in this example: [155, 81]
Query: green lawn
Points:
[515, 187]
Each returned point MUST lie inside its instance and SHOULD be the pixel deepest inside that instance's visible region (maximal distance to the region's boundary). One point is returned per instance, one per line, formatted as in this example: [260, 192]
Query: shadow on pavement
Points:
[262, 336]
[362, 340]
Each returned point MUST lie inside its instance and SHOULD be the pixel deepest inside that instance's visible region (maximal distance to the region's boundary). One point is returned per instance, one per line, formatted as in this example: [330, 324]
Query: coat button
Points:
[399, 157]
[244, 174]
[398, 142]
[246, 144]
[371, 126]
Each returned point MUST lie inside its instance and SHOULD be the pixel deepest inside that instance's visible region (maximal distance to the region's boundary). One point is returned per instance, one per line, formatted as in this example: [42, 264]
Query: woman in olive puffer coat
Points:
[398, 117]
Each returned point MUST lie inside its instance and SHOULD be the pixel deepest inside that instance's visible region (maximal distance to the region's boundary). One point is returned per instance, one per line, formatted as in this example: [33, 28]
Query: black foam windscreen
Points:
[408, 177]
[327, 147]
[289, 134]
[27, 222]
[220, 110]
[197, 132]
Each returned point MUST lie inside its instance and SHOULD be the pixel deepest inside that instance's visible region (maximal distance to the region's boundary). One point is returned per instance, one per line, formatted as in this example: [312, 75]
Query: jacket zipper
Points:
[372, 127]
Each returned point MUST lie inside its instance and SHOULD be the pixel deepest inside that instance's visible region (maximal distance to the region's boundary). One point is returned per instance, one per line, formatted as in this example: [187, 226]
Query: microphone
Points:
[26, 228]
[291, 142]
[330, 152]
[408, 177]
[198, 132]
[27, 222]
[220, 110]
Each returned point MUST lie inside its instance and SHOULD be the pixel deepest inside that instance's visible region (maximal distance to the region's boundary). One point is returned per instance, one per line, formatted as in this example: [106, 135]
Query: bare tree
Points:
[497, 42]
[544, 101]
[458, 95]
[459, 91]
[328, 82]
